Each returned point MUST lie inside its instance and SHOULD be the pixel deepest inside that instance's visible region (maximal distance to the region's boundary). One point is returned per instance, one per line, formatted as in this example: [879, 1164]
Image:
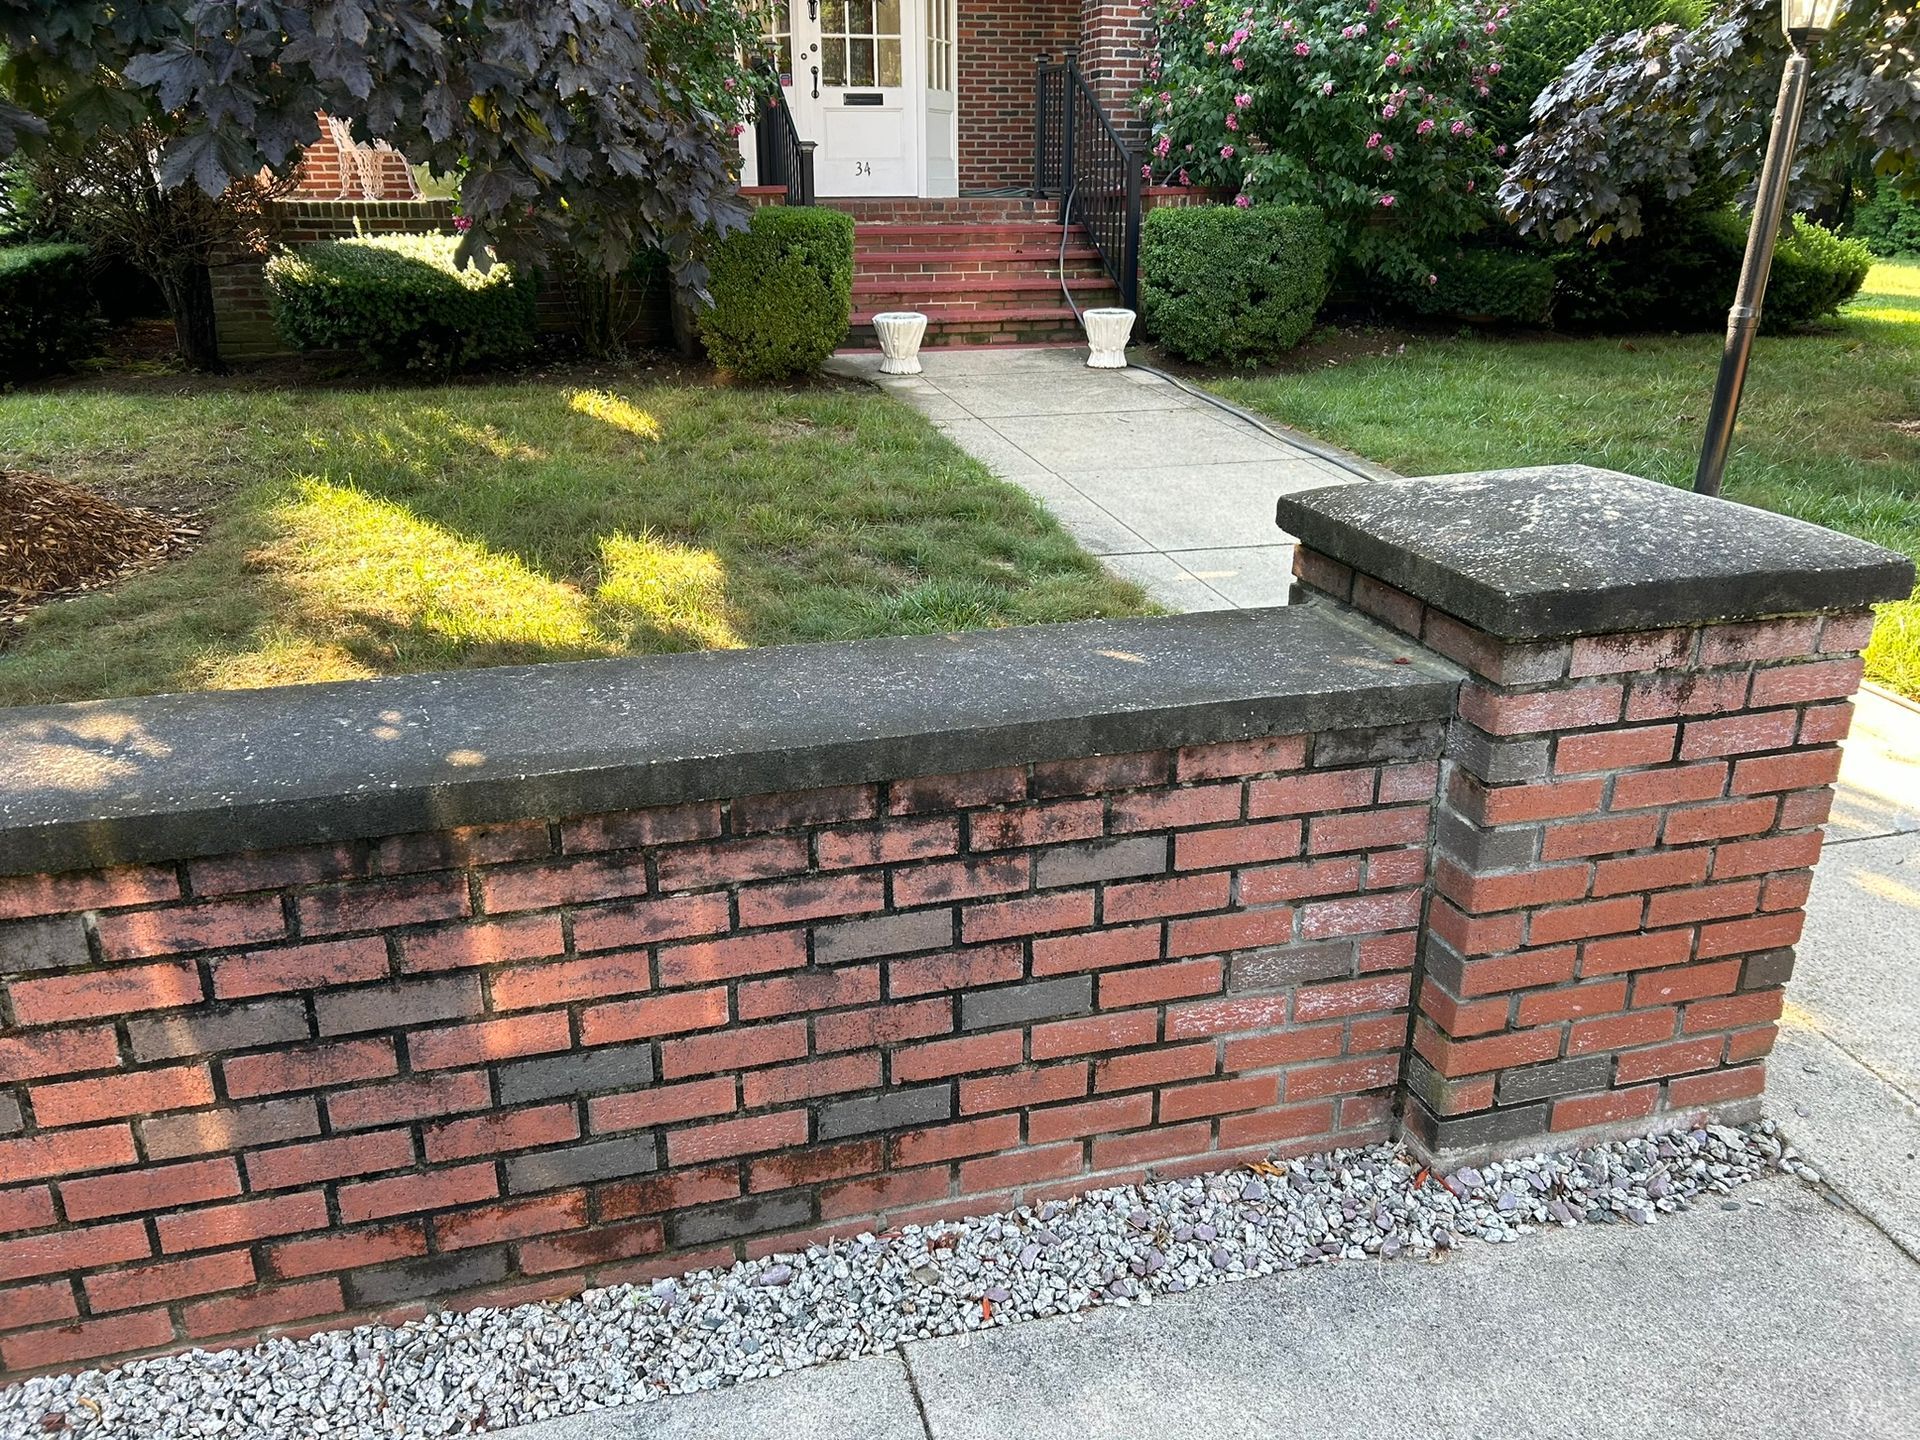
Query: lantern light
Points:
[1805, 20]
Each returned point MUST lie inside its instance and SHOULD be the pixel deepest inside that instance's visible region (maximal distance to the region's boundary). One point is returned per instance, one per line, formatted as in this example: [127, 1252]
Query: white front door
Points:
[854, 85]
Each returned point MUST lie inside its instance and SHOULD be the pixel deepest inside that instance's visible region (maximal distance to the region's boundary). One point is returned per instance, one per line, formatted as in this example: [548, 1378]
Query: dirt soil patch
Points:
[57, 539]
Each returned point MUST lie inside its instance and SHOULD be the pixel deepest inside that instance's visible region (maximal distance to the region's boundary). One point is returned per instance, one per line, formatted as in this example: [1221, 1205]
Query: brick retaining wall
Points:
[353, 1000]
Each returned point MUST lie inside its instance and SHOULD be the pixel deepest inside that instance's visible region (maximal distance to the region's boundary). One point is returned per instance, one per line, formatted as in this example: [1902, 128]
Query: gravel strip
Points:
[457, 1374]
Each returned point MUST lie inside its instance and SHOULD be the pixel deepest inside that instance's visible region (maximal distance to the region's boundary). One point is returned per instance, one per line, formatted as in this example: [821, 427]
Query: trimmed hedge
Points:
[47, 314]
[1543, 37]
[401, 302]
[1223, 284]
[1889, 223]
[1512, 287]
[782, 293]
[1681, 273]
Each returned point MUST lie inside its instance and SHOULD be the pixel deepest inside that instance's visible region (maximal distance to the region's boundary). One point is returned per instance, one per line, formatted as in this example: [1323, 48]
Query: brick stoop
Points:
[985, 270]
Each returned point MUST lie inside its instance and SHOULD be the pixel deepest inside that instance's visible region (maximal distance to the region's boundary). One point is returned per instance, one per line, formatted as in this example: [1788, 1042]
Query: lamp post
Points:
[1804, 21]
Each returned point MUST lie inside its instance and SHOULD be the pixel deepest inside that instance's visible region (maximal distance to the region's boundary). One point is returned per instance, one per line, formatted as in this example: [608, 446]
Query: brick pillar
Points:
[1633, 789]
[1115, 40]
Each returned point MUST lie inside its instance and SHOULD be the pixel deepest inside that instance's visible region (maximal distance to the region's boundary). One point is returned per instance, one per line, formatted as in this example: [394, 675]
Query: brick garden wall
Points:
[998, 42]
[284, 1089]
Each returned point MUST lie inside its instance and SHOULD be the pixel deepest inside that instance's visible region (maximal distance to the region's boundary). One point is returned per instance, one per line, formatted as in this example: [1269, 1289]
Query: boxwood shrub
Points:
[47, 315]
[1220, 284]
[401, 302]
[1512, 287]
[1889, 223]
[782, 293]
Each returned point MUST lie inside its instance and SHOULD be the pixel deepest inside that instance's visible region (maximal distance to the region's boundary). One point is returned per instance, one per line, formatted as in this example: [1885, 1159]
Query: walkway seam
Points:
[913, 1389]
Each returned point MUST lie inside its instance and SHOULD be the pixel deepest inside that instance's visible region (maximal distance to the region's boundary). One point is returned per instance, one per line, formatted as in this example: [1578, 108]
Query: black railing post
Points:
[1130, 267]
[1039, 125]
[1069, 110]
[806, 174]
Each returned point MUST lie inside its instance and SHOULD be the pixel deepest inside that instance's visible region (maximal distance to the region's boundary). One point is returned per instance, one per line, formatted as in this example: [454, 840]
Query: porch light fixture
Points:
[1804, 21]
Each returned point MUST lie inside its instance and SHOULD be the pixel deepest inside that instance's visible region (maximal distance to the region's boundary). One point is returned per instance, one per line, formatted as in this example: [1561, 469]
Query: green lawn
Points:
[356, 532]
[1829, 427]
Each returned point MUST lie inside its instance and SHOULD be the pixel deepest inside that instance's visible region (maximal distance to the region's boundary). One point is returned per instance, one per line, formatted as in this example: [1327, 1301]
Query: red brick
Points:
[417, 1194]
[24, 896]
[1284, 1047]
[1144, 1147]
[646, 922]
[888, 843]
[1826, 724]
[164, 1280]
[1751, 1044]
[952, 1142]
[1388, 603]
[72, 1248]
[661, 1105]
[792, 809]
[1846, 633]
[28, 1305]
[966, 1054]
[812, 1165]
[1460, 1018]
[1229, 758]
[1272, 1127]
[1094, 1117]
[309, 1067]
[1758, 640]
[116, 990]
[1715, 1088]
[968, 879]
[463, 847]
[1615, 749]
[1153, 1067]
[883, 1025]
[349, 1250]
[815, 990]
[300, 967]
[835, 1076]
[1099, 773]
[1243, 931]
[1801, 770]
[1023, 1088]
[57, 1052]
[1387, 952]
[1738, 734]
[1787, 892]
[1796, 684]
[1636, 952]
[522, 987]
[1313, 793]
[1707, 902]
[181, 929]
[957, 970]
[1548, 1007]
[733, 1049]
[1050, 823]
[315, 1160]
[488, 942]
[1475, 934]
[243, 1222]
[677, 1191]
[651, 1018]
[1639, 650]
[883, 1192]
[1218, 1097]
[1180, 895]
[1673, 785]
[1577, 839]
[1719, 821]
[1523, 804]
[264, 1311]
[66, 1152]
[1617, 1032]
[1691, 982]
[1577, 922]
[1175, 809]
[1500, 973]
[1153, 984]
[1614, 1105]
[1105, 947]
[149, 1189]
[28, 1207]
[1019, 1167]
[1311, 1082]
[1323, 573]
[1740, 937]
[109, 1097]
[502, 1131]
[1093, 1034]
[1237, 845]
[1370, 830]
[1351, 997]
[1453, 1058]
[1661, 697]
[1661, 870]
[560, 882]
[955, 792]
[1401, 783]
[779, 1130]
[1361, 915]
[1702, 1053]
[1569, 708]
[1805, 807]
[1030, 915]
[729, 959]
[382, 904]
[730, 862]
[1480, 894]
[591, 1247]
[86, 1340]
[231, 1127]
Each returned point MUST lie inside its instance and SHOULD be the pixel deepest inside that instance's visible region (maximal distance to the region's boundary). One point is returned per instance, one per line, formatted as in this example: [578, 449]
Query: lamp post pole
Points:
[1769, 207]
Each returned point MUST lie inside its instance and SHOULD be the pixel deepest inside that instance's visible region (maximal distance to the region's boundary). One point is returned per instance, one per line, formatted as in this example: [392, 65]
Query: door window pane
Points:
[833, 61]
[889, 62]
[860, 62]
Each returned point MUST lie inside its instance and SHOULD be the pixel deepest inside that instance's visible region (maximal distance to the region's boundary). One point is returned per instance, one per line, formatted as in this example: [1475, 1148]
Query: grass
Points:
[355, 532]
[1829, 424]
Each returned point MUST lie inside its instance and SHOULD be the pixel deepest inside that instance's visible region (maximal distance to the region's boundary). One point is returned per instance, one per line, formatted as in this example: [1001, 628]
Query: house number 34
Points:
[863, 167]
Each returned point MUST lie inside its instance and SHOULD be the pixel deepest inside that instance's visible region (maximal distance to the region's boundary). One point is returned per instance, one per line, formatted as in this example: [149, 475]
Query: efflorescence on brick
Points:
[273, 1091]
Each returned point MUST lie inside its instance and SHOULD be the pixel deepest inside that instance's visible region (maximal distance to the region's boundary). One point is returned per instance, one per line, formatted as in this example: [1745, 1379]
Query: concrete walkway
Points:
[1167, 490]
[1793, 1311]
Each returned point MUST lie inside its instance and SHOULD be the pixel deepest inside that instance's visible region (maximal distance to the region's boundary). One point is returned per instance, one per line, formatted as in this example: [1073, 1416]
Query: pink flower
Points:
[1226, 152]
[1393, 62]
[1387, 112]
[1425, 127]
[1470, 187]
[1303, 49]
[1146, 173]
[1233, 121]
[1459, 127]
[1373, 141]
[1388, 152]
[1494, 68]
[1500, 149]
[1162, 146]
[1183, 178]
[1326, 87]
[1491, 27]
[1241, 102]
[1243, 200]
[1433, 279]
[1386, 202]
[463, 223]
[1239, 63]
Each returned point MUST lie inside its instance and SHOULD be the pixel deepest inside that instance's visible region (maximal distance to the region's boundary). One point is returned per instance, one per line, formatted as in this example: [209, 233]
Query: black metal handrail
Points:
[784, 158]
[1079, 156]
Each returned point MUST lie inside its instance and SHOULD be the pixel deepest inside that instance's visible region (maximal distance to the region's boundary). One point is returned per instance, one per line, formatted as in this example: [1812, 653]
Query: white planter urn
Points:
[900, 332]
[1107, 334]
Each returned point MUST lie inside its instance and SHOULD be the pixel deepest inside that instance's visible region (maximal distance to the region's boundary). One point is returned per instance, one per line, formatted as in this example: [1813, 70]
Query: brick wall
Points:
[1115, 42]
[998, 42]
[278, 1090]
[324, 173]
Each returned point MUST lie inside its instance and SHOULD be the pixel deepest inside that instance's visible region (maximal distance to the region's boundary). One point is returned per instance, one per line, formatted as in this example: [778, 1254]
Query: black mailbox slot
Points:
[863, 97]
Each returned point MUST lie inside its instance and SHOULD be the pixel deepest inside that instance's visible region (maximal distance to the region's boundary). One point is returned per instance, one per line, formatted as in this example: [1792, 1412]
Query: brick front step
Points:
[980, 325]
[978, 260]
[964, 209]
[870, 238]
[952, 292]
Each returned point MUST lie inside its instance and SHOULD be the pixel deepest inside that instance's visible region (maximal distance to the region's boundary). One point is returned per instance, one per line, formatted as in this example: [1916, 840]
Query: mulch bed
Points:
[58, 540]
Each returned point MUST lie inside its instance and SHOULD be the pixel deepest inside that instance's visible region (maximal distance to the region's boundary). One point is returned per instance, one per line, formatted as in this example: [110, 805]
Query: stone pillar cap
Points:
[1555, 550]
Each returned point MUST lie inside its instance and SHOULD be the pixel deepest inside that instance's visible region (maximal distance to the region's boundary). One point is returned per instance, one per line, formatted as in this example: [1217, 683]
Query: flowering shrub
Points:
[1364, 109]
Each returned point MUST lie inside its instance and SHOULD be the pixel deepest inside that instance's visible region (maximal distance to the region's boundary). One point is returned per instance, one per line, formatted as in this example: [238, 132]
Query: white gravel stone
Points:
[462, 1374]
